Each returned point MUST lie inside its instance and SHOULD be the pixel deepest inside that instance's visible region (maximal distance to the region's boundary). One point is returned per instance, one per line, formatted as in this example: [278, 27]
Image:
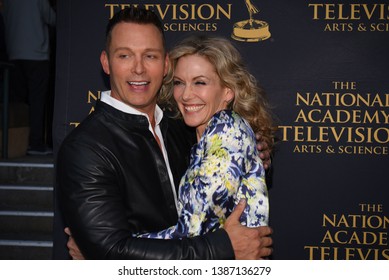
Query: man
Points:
[117, 170]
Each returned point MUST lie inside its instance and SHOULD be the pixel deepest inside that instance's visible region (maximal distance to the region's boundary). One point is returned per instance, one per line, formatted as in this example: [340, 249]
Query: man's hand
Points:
[248, 243]
[74, 251]
[264, 151]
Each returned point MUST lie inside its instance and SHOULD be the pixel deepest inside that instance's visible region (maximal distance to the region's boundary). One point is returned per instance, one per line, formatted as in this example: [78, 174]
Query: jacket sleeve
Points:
[92, 206]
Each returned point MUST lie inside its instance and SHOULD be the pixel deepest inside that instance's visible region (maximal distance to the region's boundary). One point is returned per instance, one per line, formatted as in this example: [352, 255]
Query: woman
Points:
[216, 94]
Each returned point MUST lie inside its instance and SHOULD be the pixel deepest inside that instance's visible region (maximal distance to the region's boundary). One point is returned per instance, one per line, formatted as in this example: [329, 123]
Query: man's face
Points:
[136, 63]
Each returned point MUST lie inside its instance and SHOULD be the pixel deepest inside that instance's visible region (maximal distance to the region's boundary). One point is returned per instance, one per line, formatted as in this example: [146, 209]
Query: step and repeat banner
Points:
[325, 68]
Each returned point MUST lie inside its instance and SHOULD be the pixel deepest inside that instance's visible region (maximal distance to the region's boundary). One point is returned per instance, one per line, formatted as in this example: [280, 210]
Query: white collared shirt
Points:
[158, 114]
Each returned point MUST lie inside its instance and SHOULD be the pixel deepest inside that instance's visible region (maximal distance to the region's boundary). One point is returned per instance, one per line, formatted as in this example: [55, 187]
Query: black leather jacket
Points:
[113, 182]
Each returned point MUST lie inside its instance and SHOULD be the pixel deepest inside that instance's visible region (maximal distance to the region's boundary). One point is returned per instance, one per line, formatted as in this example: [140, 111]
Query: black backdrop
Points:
[325, 70]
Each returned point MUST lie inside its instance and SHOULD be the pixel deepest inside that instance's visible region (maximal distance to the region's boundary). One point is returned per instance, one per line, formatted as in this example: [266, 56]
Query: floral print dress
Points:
[224, 167]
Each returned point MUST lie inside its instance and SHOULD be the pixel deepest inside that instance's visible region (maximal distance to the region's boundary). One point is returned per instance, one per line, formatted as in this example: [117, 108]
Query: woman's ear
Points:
[230, 95]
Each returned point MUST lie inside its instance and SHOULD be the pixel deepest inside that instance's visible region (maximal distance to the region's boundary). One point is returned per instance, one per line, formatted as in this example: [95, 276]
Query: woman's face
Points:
[198, 91]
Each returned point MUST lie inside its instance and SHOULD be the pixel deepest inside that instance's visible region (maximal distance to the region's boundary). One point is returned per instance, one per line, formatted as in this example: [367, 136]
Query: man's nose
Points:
[138, 66]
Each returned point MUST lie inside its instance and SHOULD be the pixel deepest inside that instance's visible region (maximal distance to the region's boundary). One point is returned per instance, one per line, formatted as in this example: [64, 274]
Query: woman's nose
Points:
[187, 92]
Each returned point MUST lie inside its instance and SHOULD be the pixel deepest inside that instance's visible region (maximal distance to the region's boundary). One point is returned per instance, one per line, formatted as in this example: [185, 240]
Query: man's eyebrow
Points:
[145, 50]
[154, 50]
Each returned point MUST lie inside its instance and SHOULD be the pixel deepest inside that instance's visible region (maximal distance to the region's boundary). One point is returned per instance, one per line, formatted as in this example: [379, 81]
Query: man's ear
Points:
[105, 62]
[167, 65]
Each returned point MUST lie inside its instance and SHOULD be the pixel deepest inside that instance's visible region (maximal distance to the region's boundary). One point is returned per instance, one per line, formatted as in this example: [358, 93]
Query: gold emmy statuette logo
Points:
[251, 30]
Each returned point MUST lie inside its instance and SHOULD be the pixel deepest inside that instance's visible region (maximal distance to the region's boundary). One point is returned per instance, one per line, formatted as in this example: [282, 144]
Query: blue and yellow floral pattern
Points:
[224, 167]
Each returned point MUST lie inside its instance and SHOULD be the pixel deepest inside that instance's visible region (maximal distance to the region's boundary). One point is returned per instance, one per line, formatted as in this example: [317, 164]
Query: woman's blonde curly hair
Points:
[249, 102]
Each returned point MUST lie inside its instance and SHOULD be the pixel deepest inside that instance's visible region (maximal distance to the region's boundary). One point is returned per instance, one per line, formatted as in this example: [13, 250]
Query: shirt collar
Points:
[117, 104]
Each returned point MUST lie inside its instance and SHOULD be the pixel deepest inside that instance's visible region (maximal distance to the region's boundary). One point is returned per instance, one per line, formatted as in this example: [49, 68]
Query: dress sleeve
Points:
[253, 184]
[241, 171]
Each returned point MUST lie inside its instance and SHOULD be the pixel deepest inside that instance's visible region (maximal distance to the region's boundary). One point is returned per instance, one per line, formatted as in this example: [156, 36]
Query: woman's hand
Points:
[264, 151]
[74, 251]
